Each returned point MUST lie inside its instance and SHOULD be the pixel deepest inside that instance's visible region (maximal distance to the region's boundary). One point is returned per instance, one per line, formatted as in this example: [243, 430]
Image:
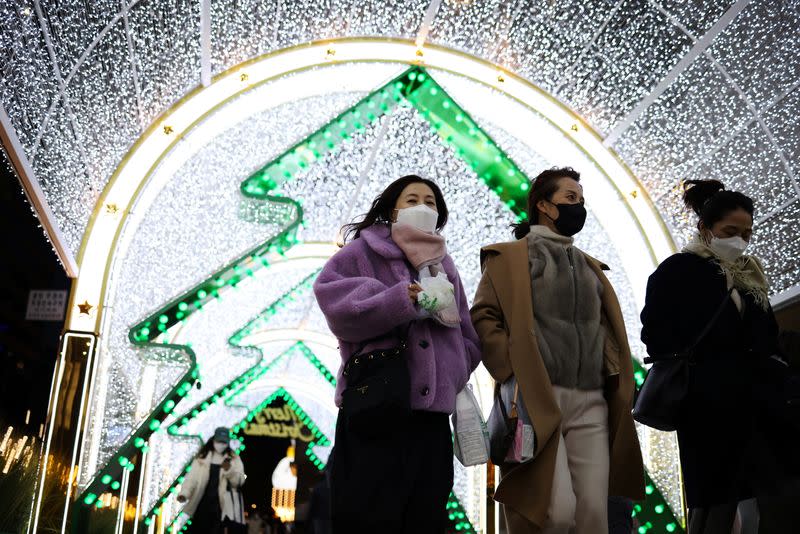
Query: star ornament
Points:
[85, 308]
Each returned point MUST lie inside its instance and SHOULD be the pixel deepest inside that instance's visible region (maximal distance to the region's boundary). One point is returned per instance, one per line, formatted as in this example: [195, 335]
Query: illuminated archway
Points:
[618, 202]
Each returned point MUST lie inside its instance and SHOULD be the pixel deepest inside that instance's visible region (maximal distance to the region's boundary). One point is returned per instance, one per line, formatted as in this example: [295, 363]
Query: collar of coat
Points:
[378, 237]
[520, 248]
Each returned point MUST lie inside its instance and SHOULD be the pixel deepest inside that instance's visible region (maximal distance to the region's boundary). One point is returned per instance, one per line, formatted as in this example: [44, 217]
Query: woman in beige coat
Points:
[546, 313]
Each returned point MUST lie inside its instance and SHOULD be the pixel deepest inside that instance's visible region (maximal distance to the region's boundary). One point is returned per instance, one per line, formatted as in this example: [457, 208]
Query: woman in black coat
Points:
[733, 442]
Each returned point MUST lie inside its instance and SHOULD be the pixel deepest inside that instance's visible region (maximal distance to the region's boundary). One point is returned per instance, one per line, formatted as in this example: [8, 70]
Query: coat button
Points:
[425, 391]
[424, 344]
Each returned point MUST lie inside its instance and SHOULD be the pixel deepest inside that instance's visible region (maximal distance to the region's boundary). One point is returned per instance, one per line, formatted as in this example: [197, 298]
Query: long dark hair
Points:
[209, 446]
[543, 187]
[383, 206]
[712, 202]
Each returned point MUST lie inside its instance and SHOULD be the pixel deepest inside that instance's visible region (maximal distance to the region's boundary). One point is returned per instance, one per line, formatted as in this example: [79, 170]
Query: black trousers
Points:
[397, 483]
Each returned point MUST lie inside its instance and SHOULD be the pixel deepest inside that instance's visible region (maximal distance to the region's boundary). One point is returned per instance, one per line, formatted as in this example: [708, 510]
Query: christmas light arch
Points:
[114, 206]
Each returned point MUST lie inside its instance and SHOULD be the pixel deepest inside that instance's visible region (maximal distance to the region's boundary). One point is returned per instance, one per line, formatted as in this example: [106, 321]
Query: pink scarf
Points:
[425, 251]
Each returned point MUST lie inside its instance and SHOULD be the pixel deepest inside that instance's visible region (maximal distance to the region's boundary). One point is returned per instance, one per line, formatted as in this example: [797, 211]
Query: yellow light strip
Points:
[123, 490]
[139, 493]
[87, 385]
[55, 389]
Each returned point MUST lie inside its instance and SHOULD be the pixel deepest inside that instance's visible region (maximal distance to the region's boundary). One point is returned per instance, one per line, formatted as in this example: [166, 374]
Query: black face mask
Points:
[571, 218]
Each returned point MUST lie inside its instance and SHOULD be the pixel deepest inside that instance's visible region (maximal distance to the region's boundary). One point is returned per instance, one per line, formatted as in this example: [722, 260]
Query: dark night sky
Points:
[27, 348]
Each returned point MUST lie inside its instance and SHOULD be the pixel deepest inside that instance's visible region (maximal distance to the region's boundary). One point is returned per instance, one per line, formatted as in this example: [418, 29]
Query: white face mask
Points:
[421, 217]
[220, 447]
[728, 248]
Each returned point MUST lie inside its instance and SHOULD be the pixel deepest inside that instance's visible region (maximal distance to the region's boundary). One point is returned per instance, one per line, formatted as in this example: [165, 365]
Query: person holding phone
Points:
[211, 492]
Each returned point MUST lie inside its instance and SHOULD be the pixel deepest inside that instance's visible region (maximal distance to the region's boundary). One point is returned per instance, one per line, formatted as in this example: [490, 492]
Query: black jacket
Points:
[724, 435]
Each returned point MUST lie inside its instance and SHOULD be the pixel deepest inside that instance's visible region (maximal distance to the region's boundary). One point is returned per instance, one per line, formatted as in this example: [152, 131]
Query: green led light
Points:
[649, 489]
[115, 485]
[155, 424]
[659, 508]
[106, 479]
[123, 461]
[90, 498]
[671, 527]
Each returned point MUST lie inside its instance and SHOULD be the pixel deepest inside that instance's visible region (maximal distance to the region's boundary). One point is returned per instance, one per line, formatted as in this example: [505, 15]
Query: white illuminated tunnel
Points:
[173, 215]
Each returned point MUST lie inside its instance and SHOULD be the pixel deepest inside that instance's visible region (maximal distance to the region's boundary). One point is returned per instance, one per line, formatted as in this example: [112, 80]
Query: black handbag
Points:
[378, 389]
[502, 427]
[660, 400]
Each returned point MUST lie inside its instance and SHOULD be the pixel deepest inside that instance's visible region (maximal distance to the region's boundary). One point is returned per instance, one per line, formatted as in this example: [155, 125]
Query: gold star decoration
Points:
[574, 128]
[420, 53]
[85, 308]
[168, 130]
[330, 52]
[501, 78]
[244, 77]
[635, 193]
[112, 209]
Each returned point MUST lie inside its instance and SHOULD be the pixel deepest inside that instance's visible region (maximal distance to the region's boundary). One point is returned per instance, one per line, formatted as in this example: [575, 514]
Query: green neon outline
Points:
[451, 122]
[229, 392]
[175, 312]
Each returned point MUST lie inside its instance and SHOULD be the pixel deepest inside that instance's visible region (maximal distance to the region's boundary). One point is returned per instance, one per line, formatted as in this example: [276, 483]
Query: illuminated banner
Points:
[278, 422]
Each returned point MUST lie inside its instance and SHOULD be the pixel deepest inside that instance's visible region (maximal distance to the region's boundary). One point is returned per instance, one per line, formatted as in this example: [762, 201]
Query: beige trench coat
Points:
[503, 316]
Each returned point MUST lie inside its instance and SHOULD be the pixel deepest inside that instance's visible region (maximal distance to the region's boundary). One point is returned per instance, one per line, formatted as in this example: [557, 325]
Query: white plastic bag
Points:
[437, 293]
[471, 436]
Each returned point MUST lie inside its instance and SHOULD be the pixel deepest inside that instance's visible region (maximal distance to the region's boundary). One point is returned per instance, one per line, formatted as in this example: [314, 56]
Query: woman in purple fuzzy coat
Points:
[398, 480]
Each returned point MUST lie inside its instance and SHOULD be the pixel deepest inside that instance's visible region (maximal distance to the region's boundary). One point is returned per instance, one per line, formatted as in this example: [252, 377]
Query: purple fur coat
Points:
[363, 292]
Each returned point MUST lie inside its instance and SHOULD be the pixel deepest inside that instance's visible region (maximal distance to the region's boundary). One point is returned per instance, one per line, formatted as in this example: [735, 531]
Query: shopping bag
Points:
[470, 434]
[512, 437]
[521, 449]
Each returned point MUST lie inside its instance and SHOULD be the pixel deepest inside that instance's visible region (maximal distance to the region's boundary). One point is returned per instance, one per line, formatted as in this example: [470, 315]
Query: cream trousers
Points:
[579, 501]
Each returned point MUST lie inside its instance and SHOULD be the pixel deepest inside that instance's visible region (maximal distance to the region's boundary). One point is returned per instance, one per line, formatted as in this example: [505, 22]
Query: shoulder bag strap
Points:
[514, 413]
